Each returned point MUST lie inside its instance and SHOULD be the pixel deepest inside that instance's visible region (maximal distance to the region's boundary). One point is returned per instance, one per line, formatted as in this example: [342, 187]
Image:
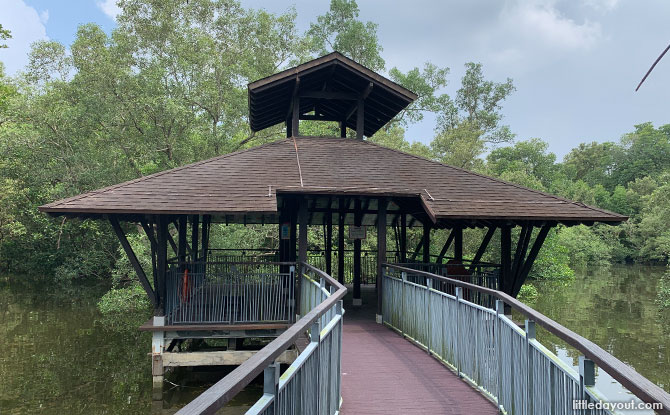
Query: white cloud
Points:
[541, 21]
[606, 5]
[26, 26]
[44, 16]
[110, 8]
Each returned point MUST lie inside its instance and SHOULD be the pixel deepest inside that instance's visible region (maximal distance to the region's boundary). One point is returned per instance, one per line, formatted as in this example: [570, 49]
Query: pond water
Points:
[58, 354]
[614, 307]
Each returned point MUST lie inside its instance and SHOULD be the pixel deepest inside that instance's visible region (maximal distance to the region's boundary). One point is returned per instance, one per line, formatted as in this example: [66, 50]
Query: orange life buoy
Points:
[184, 287]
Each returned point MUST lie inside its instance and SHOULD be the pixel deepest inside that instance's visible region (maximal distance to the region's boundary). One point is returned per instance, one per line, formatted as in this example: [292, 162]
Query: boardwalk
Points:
[382, 373]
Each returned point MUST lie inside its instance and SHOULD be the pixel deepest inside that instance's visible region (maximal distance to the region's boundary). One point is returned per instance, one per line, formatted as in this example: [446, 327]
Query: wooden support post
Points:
[357, 256]
[505, 259]
[458, 245]
[182, 242]
[446, 246]
[149, 230]
[381, 253]
[173, 244]
[289, 127]
[340, 241]
[329, 243]
[161, 261]
[416, 251]
[521, 249]
[343, 129]
[360, 119]
[403, 238]
[482, 248]
[426, 242]
[302, 243]
[195, 221]
[206, 221]
[528, 264]
[133, 260]
[295, 120]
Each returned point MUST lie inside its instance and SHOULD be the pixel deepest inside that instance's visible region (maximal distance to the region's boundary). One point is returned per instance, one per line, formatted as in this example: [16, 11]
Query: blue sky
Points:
[575, 63]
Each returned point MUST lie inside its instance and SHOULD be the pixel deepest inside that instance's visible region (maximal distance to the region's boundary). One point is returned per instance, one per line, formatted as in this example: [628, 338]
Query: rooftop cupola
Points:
[330, 88]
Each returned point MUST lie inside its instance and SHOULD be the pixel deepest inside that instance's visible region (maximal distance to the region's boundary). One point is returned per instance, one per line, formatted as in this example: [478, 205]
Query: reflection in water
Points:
[615, 308]
[59, 356]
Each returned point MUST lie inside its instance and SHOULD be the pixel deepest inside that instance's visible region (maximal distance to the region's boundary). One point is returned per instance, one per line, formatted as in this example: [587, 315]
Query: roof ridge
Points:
[157, 174]
[495, 179]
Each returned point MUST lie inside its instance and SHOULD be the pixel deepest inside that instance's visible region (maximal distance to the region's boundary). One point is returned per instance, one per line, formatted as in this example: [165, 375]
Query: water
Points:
[615, 308]
[59, 355]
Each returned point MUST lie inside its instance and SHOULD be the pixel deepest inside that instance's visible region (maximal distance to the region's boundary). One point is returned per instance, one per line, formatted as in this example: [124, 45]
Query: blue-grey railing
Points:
[492, 352]
[312, 384]
[229, 293]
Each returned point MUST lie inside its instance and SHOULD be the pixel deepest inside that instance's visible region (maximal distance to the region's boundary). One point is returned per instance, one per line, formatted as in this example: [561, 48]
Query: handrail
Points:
[225, 390]
[640, 386]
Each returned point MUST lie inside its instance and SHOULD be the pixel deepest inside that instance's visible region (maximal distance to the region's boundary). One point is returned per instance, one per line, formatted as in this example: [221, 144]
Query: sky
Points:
[575, 64]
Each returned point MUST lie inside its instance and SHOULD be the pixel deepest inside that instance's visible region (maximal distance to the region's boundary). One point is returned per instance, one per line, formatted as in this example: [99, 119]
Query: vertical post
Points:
[291, 305]
[381, 253]
[429, 317]
[302, 244]
[161, 261]
[340, 242]
[329, 242]
[500, 311]
[505, 258]
[295, 119]
[587, 376]
[182, 242]
[271, 385]
[459, 294]
[401, 312]
[315, 338]
[426, 244]
[403, 238]
[360, 117]
[195, 220]
[289, 127]
[530, 336]
[343, 129]
[206, 220]
[357, 256]
[458, 245]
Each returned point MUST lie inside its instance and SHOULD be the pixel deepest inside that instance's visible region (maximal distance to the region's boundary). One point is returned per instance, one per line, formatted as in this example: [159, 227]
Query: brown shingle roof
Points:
[270, 98]
[248, 181]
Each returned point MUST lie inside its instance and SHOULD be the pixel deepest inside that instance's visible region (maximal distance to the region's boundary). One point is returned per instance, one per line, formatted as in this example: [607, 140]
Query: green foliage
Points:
[663, 295]
[340, 30]
[553, 260]
[584, 246]
[4, 35]
[528, 294]
[119, 301]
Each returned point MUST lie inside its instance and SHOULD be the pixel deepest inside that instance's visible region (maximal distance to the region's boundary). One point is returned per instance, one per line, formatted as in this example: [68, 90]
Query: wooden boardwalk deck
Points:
[383, 373]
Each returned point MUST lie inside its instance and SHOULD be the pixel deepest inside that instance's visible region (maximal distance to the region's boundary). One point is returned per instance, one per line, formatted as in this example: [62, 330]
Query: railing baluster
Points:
[459, 293]
[530, 335]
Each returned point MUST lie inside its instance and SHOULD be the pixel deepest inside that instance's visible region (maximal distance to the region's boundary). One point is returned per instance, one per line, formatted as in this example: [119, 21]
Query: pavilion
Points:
[326, 181]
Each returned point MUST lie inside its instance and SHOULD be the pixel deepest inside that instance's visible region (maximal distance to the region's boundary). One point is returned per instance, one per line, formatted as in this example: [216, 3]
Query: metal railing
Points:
[495, 354]
[312, 384]
[229, 292]
[315, 257]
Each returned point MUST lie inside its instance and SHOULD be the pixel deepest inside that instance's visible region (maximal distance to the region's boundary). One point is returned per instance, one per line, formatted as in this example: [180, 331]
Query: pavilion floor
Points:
[383, 373]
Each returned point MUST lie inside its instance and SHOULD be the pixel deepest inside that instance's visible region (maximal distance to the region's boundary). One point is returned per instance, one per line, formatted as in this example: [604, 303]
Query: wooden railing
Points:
[491, 351]
[328, 312]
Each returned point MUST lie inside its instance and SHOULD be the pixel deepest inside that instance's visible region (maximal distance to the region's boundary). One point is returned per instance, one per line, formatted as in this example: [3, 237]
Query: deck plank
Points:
[383, 373]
